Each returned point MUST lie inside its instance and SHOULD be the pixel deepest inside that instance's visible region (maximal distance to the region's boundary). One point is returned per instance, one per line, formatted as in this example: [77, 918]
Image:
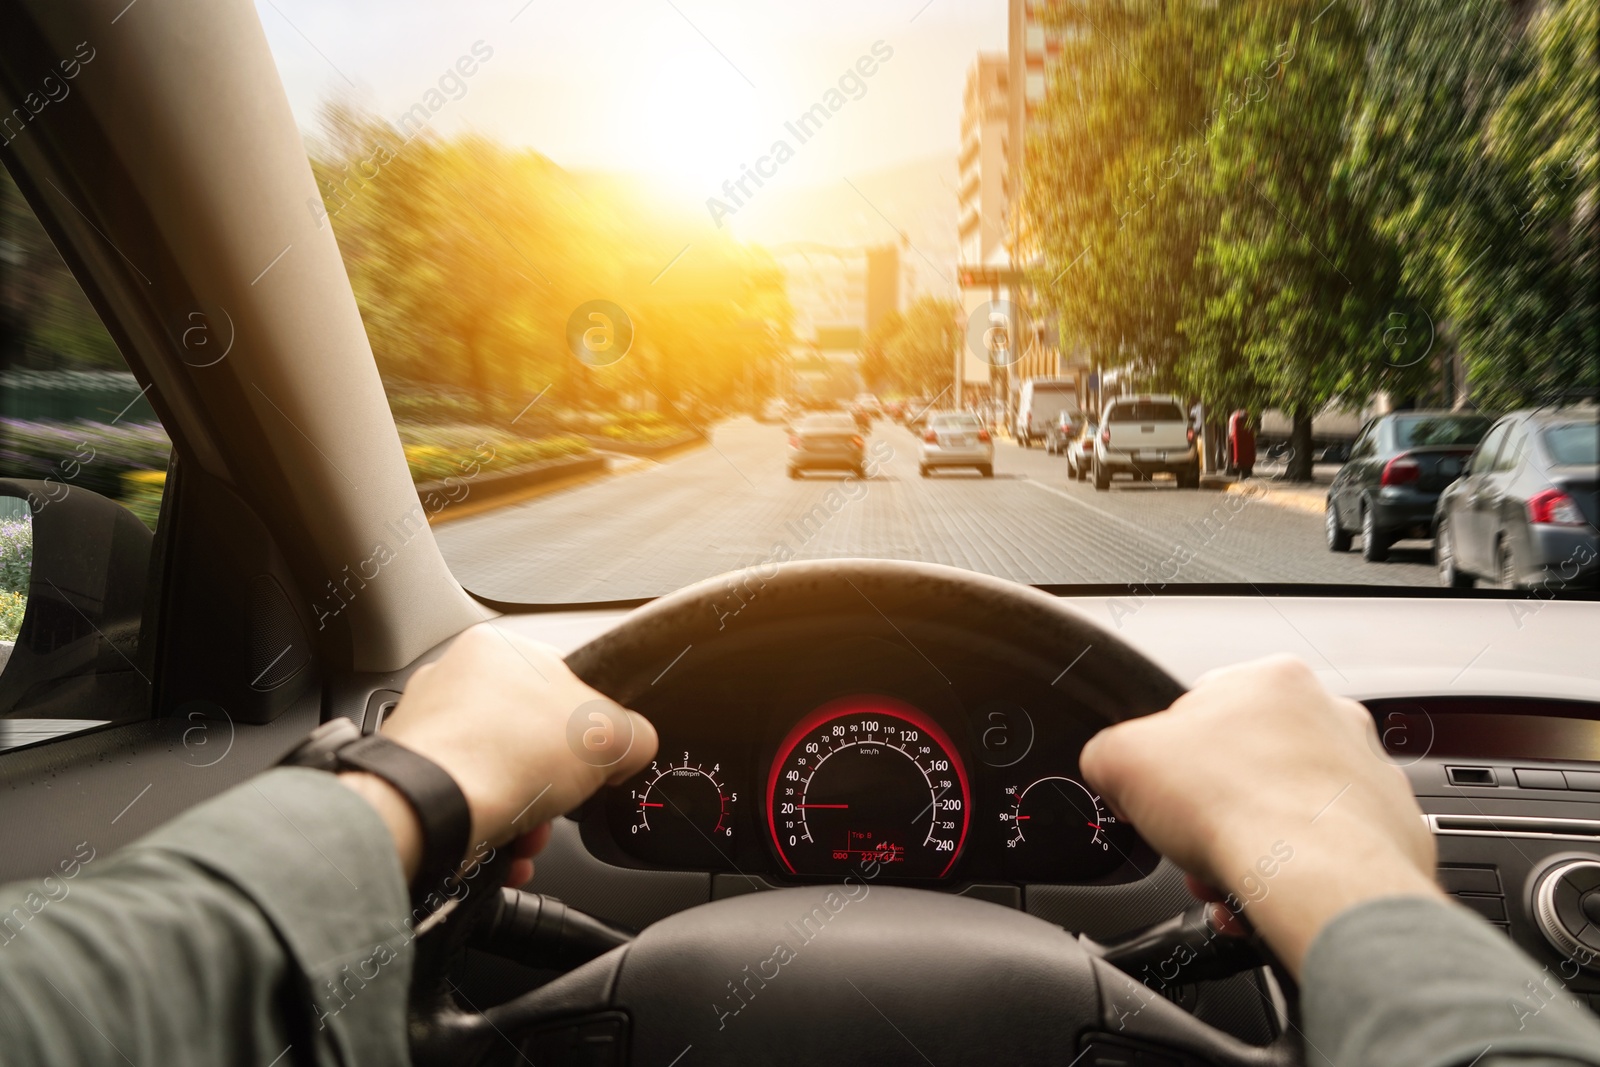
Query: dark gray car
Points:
[1398, 466]
[1525, 512]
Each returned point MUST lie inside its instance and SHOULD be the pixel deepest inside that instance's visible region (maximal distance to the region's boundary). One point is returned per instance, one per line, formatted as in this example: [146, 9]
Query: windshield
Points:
[955, 422]
[1576, 444]
[827, 424]
[1145, 412]
[613, 259]
[1440, 430]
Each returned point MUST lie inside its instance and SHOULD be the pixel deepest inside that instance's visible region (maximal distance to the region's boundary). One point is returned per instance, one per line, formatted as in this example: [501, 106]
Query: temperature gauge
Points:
[1058, 828]
[682, 812]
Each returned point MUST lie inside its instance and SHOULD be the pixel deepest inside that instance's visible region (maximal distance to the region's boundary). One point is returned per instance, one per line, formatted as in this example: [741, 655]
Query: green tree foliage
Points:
[914, 353]
[1475, 148]
[469, 258]
[1255, 202]
[46, 323]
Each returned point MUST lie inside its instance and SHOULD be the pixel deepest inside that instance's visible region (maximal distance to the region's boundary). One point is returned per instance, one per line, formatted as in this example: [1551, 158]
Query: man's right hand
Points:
[1262, 784]
[494, 712]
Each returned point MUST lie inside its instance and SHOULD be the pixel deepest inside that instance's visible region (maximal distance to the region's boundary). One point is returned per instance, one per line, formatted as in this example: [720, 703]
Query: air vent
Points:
[1514, 826]
[1478, 776]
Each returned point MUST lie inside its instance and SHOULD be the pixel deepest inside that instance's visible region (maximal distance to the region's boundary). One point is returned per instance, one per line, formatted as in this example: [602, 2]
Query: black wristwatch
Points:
[441, 807]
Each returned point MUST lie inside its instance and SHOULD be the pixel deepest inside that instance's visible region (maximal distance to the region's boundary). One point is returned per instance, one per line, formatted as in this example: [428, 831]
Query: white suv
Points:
[1143, 436]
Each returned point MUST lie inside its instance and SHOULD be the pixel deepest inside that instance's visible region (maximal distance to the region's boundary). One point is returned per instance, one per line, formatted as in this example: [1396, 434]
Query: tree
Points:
[46, 322]
[1296, 285]
[876, 369]
[914, 353]
[1474, 149]
[469, 259]
[1187, 187]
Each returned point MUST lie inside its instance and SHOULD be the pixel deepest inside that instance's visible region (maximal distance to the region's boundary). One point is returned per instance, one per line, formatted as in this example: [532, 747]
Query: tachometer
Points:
[681, 811]
[866, 781]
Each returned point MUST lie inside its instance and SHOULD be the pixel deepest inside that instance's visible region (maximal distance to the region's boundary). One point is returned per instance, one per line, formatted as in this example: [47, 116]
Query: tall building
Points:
[985, 143]
[884, 284]
[1034, 52]
[1033, 49]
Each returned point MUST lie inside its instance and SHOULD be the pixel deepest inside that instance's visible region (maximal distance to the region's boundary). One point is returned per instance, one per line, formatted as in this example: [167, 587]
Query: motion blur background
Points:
[1313, 211]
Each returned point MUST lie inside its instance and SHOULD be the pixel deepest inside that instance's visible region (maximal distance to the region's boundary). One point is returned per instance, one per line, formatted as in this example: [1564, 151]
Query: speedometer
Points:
[864, 781]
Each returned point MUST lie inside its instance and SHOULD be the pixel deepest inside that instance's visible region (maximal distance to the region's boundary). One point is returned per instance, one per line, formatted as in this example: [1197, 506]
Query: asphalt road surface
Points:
[660, 526]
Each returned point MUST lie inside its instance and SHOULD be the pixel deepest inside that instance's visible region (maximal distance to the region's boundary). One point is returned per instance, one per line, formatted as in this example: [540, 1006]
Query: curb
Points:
[498, 490]
[550, 478]
[659, 450]
[1303, 500]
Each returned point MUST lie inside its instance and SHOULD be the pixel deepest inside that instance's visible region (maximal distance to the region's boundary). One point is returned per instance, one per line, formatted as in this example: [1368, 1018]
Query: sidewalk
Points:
[1310, 497]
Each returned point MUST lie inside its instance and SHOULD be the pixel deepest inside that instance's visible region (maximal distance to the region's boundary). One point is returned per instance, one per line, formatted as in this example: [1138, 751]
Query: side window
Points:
[1364, 446]
[1482, 461]
[83, 466]
[1511, 454]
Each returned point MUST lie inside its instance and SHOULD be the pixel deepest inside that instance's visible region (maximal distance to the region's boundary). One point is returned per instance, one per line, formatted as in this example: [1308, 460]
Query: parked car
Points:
[1063, 430]
[1080, 450]
[827, 442]
[1525, 511]
[1040, 400]
[1398, 466]
[1145, 436]
[956, 439]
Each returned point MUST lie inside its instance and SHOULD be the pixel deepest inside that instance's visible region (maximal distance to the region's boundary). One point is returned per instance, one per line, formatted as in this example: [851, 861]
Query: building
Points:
[839, 295]
[1032, 59]
[985, 143]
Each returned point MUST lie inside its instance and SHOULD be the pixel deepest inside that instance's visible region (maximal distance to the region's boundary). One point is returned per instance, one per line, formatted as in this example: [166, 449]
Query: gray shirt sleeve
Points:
[1412, 982]
[270, 925]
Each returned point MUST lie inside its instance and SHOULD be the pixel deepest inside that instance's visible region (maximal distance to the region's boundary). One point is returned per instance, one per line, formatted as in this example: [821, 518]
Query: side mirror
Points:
[85, 602]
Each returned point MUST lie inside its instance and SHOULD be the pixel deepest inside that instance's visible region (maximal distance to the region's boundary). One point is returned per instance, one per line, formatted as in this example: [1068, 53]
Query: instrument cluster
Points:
[903, 784]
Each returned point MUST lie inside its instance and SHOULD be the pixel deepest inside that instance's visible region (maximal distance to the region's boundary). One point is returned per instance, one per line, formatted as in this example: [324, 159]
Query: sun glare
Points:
[694, 125]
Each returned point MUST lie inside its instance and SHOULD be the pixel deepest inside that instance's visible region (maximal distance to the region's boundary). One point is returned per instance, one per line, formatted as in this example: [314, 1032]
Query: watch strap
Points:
[440, 806]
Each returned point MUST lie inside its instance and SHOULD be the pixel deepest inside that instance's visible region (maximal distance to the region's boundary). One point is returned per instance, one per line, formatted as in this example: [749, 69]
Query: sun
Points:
[694, 125]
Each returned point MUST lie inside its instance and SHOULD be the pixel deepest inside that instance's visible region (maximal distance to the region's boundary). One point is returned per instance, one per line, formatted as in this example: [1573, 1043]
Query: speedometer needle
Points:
[839, 806]
[652, 805]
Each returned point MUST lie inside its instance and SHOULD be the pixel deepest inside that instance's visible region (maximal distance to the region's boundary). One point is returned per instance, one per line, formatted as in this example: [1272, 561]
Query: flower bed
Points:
[16, 567]
[641, 428]
[94, 455]
[16, 555]
[434, 452]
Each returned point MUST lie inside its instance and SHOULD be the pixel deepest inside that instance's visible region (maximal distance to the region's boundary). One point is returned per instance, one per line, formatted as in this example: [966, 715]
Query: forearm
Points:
[1416, 982]
[405, 829]
[272, 916]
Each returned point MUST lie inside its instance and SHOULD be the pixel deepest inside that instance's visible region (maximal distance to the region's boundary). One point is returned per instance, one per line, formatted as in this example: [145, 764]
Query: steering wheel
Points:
[855, 972]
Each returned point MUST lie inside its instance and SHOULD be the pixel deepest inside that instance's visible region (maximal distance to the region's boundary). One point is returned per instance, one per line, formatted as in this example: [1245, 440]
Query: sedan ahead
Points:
[827, 442]
[1525, 513]
[956, 439]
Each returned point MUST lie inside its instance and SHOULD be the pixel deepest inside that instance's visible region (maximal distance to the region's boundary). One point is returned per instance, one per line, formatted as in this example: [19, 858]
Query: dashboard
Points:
[1506, 767]
[882, 766]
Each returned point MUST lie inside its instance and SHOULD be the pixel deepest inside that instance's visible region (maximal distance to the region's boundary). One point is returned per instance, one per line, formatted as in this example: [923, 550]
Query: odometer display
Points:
[866, 781]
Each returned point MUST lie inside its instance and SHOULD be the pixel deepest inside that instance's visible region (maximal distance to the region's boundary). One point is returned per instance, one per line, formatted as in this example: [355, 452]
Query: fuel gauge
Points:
[1056, 827]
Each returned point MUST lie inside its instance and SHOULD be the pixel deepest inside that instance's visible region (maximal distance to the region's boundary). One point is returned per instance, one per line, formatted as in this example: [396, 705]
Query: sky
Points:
[686, 92]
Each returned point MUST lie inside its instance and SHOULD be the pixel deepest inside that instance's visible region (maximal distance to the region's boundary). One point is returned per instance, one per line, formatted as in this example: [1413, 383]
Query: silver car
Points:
[956, 439]
[827, 442]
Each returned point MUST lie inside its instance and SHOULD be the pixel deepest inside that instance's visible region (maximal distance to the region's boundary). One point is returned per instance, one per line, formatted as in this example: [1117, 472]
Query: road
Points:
[661, 526]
